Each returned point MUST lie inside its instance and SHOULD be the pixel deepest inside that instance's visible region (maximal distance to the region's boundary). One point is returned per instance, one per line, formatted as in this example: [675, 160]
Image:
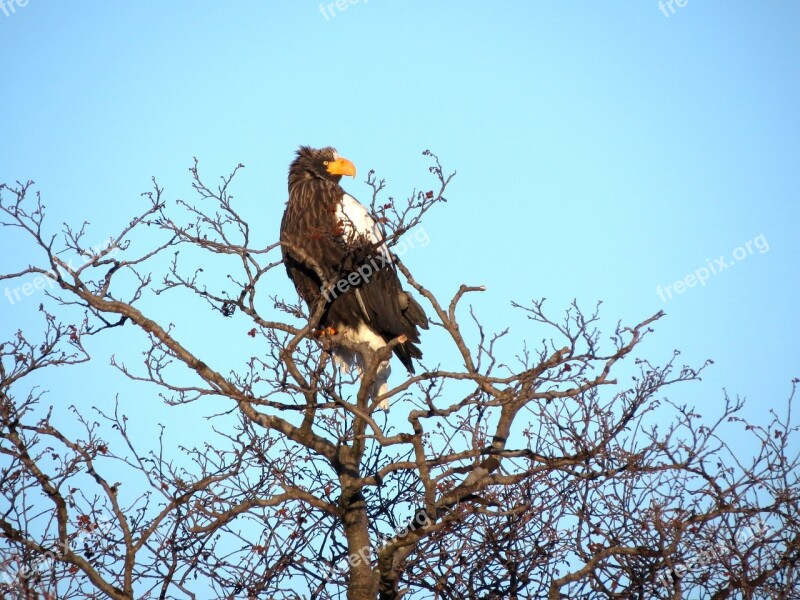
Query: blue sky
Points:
[602, 150]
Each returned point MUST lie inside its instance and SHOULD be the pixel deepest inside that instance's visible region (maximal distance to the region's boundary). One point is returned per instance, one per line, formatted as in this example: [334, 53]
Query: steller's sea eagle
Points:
[333, 248]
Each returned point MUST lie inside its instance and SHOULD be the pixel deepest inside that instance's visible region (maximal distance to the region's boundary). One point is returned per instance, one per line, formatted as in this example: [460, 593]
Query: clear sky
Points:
[602, 150]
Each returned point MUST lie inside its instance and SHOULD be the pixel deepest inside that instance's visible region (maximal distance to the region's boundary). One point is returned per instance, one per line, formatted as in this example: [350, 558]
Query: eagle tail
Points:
[413, 312]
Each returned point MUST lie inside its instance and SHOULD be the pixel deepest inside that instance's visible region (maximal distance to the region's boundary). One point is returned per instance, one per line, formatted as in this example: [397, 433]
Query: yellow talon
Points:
[325, 331]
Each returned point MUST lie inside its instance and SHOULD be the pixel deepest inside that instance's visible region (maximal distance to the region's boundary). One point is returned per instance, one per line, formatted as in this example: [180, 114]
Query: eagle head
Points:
[322, 163]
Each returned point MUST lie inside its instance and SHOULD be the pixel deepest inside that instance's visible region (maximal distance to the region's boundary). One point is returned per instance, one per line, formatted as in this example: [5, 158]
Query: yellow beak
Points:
[341, 166]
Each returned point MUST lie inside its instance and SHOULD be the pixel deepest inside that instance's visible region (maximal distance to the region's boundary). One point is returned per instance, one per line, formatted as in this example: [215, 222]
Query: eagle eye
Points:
[325, 162]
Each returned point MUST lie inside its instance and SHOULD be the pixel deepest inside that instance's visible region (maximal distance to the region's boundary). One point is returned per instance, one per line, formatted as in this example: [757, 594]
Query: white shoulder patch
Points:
[357, 222]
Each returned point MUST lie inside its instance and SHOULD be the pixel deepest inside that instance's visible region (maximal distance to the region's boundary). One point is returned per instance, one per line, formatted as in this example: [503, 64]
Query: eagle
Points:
[334, 250]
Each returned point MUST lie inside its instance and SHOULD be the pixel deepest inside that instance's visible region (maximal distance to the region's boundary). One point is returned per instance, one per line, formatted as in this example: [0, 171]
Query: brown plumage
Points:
[327, 236]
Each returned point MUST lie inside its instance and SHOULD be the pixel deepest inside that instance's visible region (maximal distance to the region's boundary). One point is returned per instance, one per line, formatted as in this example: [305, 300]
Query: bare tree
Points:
[509, 473]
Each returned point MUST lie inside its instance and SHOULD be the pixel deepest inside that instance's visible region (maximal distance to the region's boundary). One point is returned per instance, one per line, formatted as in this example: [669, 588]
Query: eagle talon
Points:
[325, 331]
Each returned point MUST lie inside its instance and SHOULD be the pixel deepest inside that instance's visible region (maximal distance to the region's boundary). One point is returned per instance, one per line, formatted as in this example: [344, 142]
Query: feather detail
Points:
[332, 247]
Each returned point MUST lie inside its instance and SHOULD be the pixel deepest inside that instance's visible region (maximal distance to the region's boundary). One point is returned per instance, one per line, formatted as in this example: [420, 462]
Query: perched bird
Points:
[333, 249]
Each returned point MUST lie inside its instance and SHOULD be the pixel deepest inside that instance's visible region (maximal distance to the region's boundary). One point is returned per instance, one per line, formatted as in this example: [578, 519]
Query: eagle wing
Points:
[385, 306]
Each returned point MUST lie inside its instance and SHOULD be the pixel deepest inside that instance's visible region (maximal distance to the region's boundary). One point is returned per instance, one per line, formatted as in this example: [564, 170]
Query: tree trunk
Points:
[363, 584]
